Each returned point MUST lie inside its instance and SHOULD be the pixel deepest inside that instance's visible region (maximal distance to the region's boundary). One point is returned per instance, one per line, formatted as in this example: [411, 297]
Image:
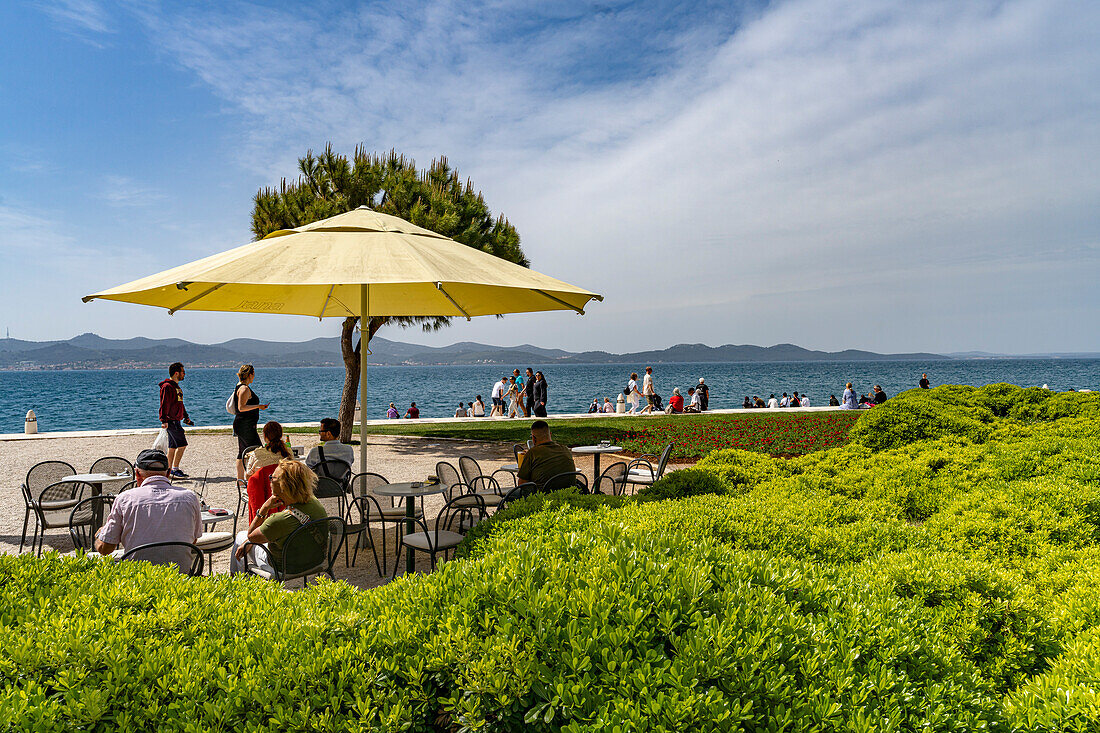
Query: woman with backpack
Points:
[245, 407]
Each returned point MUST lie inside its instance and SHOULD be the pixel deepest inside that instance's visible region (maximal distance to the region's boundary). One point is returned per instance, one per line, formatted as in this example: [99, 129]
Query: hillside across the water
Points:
[89, 351]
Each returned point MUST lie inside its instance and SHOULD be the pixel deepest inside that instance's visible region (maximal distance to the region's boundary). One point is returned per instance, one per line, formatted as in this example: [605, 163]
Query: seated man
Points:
[152, 511]
[693, 403]
[413, 412]
[545, 459]
[331, 448]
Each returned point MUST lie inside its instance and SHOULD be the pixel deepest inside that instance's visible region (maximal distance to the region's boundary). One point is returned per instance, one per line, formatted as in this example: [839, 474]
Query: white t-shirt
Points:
[805, 401]
[694, 399]
[773, 403]
[647, 384]
[479, 409]
[498, 390]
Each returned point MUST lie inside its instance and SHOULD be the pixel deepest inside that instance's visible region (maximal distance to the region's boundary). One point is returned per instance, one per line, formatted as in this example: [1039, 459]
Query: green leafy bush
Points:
[681, 484]
[921, 579]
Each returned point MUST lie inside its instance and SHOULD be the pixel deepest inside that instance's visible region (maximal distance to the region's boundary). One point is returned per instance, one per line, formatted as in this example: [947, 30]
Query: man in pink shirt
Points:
[153, 511]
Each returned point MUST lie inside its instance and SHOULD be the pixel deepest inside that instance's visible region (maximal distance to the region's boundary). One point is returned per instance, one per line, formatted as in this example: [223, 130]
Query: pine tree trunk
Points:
[352, 353]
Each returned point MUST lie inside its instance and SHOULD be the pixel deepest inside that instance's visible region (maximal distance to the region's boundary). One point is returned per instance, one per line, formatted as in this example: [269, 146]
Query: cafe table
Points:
[596, 451]
[410, 490]
[96, 481]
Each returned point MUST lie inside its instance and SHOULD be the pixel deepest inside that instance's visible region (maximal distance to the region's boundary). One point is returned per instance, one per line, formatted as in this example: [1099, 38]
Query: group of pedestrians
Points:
[519, 395]
[698, 399]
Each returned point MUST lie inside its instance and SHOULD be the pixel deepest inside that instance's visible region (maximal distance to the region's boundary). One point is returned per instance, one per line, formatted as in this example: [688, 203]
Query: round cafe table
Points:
[96, 481]
[596, 451]
[410, 490]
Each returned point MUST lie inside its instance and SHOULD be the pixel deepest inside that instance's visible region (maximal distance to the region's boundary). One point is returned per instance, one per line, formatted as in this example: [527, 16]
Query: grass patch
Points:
[693, 436]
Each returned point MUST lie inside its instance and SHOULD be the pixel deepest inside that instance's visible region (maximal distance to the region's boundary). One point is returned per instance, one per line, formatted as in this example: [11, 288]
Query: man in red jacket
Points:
[172, 413]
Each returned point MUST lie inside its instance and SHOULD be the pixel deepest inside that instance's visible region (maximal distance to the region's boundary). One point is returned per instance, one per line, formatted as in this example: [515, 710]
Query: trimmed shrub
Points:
[681, 484]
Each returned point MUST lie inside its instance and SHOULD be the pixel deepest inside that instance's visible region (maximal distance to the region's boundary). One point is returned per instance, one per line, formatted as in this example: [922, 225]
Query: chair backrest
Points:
[62, 495]
[469, 469]
[183, 555]
[664, 460]
[46, 473]
[565, 480]
[313, 546]
[127, 486]
[248, 450]
[334, 468]
[519, 492]
[364, 484]
[258, 489]
[83, 518]
[612, 480]
[460, 513]
[112, 464]
[448, 476]
[331, 494]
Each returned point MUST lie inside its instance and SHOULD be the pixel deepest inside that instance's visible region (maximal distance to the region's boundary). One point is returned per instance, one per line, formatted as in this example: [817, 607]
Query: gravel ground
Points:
[396, 458]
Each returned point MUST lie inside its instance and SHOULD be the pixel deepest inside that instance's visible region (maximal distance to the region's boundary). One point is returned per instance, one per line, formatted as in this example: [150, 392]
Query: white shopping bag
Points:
[161, 443]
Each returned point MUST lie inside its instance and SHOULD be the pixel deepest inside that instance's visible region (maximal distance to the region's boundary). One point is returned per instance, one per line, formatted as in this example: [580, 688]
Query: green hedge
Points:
[939, 573]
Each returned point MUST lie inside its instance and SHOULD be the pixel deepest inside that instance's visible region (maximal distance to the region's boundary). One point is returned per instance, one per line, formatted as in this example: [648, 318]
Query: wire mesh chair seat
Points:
[83, 520]
[640, 471]
[566, 480]
[613, 480]
[185, 556]
[310, 549]
[448, 531]
[41, 475]
[112, 464]
[214, 541]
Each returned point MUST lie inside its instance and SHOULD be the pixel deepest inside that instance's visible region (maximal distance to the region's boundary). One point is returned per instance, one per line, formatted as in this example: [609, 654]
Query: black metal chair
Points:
[520, 492]
[565, 481]
[184, 555]
[52, 508]
[242, 502]
[364, 512]
[40, 476]
[613, 480]
[640, 471]
[127, 486]
[387, 510]
[112, 464]
[478, 483]
[450, 524]
[309, 550]
[84, 520]
[334, 468]
[449, 476]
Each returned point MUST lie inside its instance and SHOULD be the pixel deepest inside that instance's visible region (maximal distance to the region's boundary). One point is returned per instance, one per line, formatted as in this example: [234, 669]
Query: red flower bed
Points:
[776, 433]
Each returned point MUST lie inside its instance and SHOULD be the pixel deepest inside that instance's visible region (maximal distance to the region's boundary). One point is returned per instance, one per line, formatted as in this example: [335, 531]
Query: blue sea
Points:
[89, 400]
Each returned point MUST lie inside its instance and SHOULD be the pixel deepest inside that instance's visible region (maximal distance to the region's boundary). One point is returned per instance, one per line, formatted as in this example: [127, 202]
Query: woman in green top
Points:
[290, 506]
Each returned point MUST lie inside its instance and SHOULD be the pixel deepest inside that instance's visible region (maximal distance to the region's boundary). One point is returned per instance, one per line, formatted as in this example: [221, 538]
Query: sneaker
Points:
[177, 473]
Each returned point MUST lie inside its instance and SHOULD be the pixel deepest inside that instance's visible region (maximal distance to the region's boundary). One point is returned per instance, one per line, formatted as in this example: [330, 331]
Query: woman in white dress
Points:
[514, 410]
[633, 395]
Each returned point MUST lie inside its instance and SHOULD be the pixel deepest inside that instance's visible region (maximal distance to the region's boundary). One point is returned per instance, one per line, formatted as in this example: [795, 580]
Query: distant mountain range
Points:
[89, 351]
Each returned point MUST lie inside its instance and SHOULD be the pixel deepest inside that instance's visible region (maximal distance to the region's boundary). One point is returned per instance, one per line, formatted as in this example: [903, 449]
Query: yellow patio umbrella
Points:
[361, 263]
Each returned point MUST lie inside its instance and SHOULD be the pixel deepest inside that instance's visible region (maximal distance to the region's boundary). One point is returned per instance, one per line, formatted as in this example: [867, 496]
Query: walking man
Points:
[498, 397]
[172, 413]
[529, 405]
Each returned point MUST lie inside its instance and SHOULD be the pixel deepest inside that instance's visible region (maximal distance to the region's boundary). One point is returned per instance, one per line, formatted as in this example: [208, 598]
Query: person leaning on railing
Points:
[292, 485]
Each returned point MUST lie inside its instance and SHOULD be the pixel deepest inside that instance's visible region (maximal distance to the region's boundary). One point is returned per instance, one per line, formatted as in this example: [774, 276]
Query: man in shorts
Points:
[498, 397]
[172, 413]
[649, 391]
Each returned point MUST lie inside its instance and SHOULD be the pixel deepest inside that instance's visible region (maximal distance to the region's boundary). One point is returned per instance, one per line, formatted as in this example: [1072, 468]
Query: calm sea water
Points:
[88, 400]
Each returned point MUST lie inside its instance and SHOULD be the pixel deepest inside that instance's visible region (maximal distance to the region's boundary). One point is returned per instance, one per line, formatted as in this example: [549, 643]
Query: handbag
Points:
[231, 403]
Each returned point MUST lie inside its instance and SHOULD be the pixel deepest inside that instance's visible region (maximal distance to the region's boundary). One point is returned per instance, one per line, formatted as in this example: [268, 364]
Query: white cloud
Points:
[86, 19]
[810, 173]
[122, 191]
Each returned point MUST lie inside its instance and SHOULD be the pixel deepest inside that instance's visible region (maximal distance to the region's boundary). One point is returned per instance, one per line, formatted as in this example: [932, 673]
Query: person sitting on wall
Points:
[675, 402]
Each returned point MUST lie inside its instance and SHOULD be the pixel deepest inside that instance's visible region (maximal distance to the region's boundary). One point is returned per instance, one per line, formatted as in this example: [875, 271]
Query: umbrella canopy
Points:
[318, 270]
[360, 263]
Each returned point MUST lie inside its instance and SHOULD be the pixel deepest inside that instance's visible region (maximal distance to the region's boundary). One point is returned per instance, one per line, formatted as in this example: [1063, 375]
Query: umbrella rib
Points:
[559, 300]
[325, 304]
[184, 304]
[439, 287]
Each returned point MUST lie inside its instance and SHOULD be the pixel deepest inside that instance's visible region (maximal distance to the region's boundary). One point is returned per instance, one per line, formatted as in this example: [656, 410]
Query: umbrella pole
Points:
[364, 348]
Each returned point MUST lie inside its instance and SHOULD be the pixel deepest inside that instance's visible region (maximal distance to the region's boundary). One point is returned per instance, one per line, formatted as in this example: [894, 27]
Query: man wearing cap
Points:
[152, 511]
[704, 395]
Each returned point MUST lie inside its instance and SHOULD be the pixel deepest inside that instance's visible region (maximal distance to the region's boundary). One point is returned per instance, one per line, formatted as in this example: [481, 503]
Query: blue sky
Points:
[892, 176]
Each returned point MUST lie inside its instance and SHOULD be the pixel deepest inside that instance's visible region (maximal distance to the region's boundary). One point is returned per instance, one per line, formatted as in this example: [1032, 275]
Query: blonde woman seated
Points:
[292, 485]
